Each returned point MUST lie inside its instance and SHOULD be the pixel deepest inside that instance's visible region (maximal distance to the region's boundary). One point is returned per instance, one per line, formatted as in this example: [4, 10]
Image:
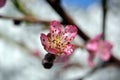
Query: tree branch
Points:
[66, 19]
[104, 9]
[26, 18]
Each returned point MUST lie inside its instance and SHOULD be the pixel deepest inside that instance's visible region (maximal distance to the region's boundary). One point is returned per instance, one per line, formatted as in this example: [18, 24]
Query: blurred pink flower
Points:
[2, 3]
[62, 59]
[57, 41]
[36, 53]
[98, 47]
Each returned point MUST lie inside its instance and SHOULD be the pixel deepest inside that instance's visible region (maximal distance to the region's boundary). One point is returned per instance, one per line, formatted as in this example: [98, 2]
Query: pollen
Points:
[58, 42]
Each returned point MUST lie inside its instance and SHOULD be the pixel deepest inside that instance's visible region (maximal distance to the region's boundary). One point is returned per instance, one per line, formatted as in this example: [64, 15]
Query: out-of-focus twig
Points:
[113, 60]
[79, 46]
[104, 9]
[20, 44]
[26, 18]
[66, 19]
[97, 68]
[21, 8]
[66, 67]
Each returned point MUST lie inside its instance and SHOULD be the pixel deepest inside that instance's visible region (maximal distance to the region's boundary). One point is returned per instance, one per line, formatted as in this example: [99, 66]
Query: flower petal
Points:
[2, 3]
[92, 46]
[44, 40]
[105, 50]
[108, 45]
[62, 58]
[97, 37]
[45, 43]
[69, 49]
[105, 56]
[52, 51]
[70, 32]
[90, 60]
[55, 27]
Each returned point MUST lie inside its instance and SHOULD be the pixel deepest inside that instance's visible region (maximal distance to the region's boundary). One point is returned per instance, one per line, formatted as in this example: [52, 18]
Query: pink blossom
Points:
[62, 59]
[98, 47]
[36, 53]
[2, 3]
[57, 41]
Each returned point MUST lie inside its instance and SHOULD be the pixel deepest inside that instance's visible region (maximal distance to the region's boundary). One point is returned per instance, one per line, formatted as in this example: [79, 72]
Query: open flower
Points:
[98, 47]
[57, 41]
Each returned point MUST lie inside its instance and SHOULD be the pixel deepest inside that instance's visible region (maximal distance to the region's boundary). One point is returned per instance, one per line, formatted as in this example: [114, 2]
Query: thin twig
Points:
[66, 19]
[21, 7]
[113, 60]
[104, 9]
[26, 18]
[97, 68]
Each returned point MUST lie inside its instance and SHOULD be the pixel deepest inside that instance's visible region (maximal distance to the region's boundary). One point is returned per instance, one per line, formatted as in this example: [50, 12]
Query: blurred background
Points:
[22, 22]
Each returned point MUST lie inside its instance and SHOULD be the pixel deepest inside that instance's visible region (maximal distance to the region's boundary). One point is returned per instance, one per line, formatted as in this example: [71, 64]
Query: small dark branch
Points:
[113, 60]
[18, 5]
[88, 74]
[104, 9]
[66, 19]
[56, 1]
[28, 19]
[97, 68]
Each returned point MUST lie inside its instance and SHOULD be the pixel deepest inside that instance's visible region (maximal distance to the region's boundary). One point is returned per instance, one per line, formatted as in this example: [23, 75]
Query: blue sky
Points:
[79, 3]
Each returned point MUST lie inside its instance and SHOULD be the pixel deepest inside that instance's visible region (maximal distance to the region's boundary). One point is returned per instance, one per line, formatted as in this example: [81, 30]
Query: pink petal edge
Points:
[108, 45]
[70, 31]
[97, 37]
[105, 53]
[90, 60]
[69, 49]
[92, 46]
[105, 56]
[52, 51]
[55, 27]
[62, 58]
[44, 40]
[2, 3]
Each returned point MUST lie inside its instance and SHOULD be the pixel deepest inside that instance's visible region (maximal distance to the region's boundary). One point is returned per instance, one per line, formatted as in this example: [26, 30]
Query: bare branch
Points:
[26, 18]
[104, 9]
[66, 18]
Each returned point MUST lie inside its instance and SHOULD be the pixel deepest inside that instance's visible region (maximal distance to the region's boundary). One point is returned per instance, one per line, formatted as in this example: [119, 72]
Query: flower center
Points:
[58, 42]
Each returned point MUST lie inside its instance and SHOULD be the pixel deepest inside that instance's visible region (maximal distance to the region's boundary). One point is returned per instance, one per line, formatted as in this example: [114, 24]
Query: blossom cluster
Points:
[58, 43]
